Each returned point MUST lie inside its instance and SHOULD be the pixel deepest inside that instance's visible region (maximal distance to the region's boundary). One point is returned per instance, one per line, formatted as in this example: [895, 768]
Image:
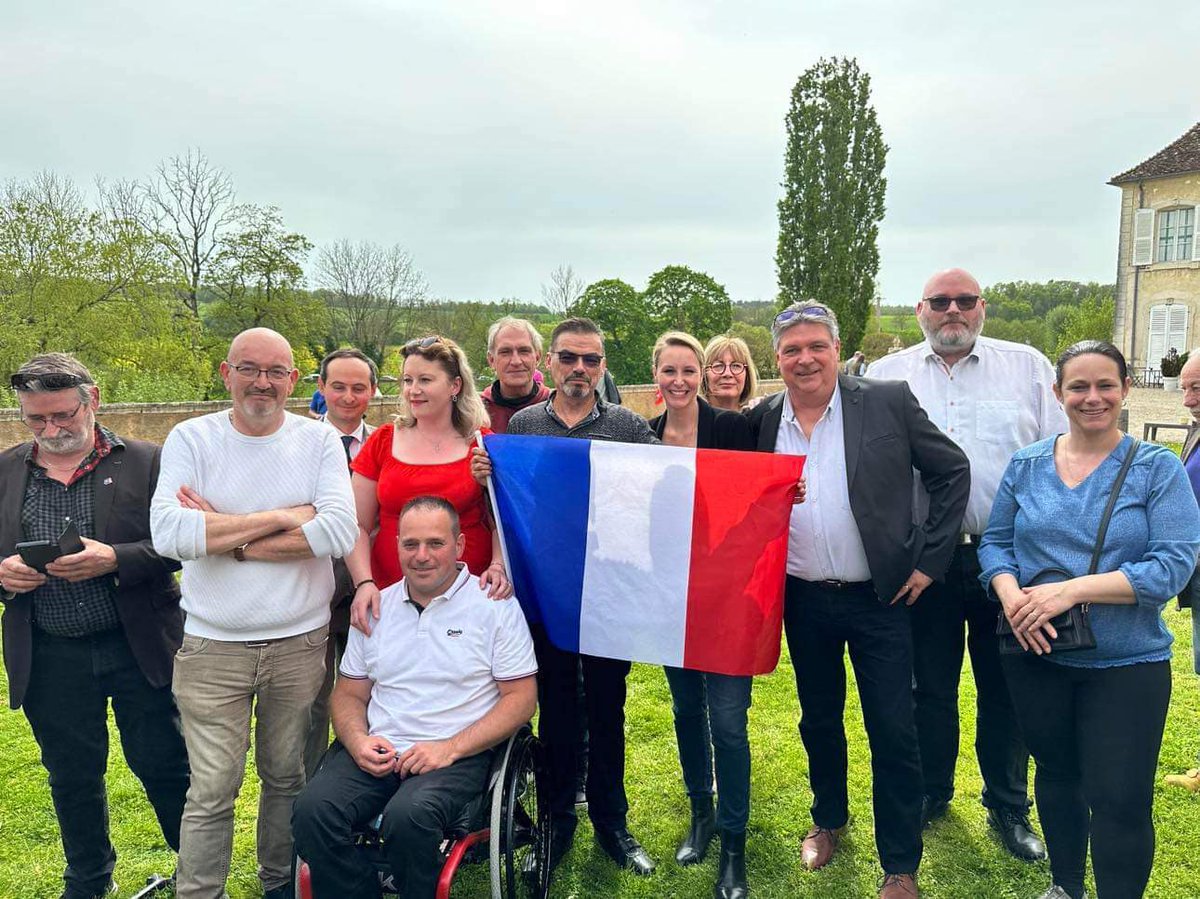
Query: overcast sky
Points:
[498, 140]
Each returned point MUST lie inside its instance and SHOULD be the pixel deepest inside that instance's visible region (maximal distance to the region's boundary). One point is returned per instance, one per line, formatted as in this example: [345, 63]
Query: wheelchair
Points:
[508, 824]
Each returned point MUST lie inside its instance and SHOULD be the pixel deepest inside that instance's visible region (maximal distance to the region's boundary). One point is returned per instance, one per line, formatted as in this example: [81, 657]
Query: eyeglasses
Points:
[37, 423]
[48, 381]
[812, 309]
[420, 343]
[590, 360]
[965, 303]
[251, 372]
[718, 368]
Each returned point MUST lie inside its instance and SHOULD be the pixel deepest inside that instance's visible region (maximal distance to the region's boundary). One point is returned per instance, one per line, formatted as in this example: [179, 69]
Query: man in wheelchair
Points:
[446, 675]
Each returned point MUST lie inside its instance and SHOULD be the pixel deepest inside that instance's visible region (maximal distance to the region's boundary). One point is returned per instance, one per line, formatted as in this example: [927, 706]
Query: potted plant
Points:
[1172, 365]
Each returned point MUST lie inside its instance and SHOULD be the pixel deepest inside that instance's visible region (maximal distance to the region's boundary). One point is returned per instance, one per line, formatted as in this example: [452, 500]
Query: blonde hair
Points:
[676, 338]
[740, 351]
[467, 414]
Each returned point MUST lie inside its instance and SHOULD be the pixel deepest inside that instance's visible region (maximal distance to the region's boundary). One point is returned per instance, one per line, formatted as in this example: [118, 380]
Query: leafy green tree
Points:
[258, 274]
[629, 329]
[1090, 320]
[680, 299]
[762, 351]
[834, 191]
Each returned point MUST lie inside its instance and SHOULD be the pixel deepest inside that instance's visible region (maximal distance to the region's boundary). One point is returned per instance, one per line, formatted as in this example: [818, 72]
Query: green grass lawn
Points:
[962, 859]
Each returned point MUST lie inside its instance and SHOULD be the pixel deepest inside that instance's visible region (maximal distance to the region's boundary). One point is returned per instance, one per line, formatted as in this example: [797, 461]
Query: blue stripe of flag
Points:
[543, 492]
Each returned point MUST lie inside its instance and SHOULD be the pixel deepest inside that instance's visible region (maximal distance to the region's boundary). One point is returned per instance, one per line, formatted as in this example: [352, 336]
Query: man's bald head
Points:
[1189, 380]
[259, 341]
[950, 282]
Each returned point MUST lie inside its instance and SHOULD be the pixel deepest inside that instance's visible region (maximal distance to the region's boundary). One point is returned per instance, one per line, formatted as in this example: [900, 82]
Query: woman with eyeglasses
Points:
[1093, 717]
[730, 378]
[425, 451]
[710, 709]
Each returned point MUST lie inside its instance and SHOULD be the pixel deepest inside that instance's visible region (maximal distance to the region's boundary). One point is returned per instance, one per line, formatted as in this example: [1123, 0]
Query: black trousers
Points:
[938, 620]
[1095, 734]
[417, 811]
[821, 623]
[558, 728]
[70, 684]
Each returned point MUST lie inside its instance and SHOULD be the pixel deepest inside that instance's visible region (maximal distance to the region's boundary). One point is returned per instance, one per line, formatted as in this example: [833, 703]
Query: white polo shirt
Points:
[434, 672]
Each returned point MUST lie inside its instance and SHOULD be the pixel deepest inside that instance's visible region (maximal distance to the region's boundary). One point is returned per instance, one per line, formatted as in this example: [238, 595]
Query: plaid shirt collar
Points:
[106, 442]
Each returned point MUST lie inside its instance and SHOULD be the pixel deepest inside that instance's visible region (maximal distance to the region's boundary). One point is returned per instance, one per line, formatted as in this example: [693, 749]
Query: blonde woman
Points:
[730, 378]
[426, 451]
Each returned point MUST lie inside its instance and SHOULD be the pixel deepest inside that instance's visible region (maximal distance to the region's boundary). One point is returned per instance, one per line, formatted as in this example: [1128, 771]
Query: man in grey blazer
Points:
[855, 561]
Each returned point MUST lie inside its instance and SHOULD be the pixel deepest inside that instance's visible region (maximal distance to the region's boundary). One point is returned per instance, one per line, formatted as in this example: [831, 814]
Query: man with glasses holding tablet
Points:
[575, 409]
[991, 397]
[82, 626]
[254, 501]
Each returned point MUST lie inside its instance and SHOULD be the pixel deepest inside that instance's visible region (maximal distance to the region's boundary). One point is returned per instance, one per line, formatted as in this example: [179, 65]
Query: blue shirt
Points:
[1037, 522]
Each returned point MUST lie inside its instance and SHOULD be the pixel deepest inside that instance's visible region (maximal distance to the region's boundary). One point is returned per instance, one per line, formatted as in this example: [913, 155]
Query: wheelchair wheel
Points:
[520, 822]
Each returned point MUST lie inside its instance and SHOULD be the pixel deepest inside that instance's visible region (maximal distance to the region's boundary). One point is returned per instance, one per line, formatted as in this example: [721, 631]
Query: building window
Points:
[1168, 328]
[1175, 235]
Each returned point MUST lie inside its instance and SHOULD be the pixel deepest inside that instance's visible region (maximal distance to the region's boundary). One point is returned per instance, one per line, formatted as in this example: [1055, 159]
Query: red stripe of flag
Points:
[740, 518]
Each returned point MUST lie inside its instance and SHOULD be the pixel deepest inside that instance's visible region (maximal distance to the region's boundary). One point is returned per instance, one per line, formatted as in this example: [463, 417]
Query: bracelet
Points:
[366, 580]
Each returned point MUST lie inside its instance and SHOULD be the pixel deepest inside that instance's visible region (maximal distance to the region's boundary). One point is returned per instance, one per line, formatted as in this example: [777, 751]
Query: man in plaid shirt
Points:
[97, 624]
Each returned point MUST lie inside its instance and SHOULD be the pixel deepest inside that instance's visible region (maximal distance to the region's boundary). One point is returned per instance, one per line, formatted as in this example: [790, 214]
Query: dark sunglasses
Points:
[813, 309]
[965, 303]
[420, 343]
[49, 381]
[590, 360]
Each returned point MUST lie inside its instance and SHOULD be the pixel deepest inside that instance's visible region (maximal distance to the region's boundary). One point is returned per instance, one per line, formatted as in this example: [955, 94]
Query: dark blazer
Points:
[715, 429]
[887, 435]
[147, 595]
[1187, 596]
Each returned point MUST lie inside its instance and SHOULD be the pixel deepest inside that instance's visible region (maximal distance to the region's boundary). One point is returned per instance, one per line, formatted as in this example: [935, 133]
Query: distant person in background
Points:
[991, 397]
[856, 365]
[98, 625]
[1093, 718]
[514, 351]
[1189, 382]
[316, 408]
[348, 379]
[730, 378]
[425, 452]
[709, 709]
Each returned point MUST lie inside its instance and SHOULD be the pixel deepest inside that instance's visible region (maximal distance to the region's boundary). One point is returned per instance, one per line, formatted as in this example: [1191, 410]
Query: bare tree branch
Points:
[564, 289]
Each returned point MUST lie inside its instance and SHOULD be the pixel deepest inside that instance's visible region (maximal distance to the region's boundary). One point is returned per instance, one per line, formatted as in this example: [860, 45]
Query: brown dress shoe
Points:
[899, 886]
[818, 846]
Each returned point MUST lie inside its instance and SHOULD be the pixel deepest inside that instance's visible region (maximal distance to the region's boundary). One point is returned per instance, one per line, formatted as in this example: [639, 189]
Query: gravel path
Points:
[1155, 404]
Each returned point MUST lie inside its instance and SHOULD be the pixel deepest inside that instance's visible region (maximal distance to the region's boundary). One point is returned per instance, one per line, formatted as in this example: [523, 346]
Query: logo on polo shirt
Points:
[454, 632]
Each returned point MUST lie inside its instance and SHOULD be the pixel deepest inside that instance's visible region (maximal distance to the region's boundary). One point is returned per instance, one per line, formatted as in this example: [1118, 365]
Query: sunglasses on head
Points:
[420, 343]
[49, 381]
[812, 309]
[590, 360]
[965, 303]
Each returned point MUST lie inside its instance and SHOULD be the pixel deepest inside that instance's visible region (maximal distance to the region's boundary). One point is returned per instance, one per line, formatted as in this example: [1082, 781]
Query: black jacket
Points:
[715, 429]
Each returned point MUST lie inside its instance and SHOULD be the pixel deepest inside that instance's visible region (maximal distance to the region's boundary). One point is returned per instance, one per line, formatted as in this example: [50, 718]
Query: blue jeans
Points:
[710, 720]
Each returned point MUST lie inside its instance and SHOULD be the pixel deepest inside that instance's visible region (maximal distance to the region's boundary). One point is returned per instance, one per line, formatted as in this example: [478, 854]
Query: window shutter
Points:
[1195, 233]
[1143, 236]
[1156, 344]
[1177, 322]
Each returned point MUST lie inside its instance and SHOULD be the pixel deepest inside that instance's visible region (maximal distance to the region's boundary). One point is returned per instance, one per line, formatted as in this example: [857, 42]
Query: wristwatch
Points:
[239, 552]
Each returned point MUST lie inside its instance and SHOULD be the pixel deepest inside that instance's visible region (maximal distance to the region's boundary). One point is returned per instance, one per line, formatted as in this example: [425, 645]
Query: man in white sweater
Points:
[254, 502]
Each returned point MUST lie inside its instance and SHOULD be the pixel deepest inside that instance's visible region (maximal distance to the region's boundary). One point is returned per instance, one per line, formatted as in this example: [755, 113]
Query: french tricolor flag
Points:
[657, 554]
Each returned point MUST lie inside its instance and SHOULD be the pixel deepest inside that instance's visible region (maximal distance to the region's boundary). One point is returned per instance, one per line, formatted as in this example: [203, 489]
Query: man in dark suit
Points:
[855, 561]
[96, 624]
[1189, 380]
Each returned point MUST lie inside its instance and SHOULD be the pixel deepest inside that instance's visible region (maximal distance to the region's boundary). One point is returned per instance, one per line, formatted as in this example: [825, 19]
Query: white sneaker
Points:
[1057, 892]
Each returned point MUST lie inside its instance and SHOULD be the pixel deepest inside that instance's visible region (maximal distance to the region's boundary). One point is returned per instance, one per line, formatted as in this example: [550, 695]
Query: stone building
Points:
[1158, 256]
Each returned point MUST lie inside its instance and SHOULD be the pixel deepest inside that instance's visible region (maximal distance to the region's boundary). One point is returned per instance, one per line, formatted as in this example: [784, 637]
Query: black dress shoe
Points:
[933, 809]
[731, 875]
[700, 834]
[1017, 833]
[627, 852]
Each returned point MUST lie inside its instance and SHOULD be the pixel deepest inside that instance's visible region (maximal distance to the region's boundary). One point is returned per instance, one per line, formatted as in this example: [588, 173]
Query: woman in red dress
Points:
[426, 451]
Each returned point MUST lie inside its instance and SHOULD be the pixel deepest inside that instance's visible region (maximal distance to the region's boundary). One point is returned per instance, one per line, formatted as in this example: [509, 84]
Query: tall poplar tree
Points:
[833, 195]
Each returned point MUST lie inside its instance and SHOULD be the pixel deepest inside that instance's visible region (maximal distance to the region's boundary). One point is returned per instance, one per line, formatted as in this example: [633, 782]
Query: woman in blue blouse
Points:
[1093, 718]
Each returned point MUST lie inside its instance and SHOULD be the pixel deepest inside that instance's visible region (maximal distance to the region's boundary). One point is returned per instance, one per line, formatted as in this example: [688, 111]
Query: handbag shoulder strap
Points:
[1112, 501]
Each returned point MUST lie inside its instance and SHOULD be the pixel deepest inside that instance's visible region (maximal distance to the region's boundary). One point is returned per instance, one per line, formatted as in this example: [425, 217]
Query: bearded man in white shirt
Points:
[991, 397]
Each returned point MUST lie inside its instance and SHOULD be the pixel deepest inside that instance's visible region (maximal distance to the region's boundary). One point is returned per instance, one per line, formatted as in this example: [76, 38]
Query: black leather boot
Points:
[731, 876]
[700, 834]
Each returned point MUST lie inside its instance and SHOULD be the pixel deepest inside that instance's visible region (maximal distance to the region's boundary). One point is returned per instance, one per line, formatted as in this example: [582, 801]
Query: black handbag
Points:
[1074, 626]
